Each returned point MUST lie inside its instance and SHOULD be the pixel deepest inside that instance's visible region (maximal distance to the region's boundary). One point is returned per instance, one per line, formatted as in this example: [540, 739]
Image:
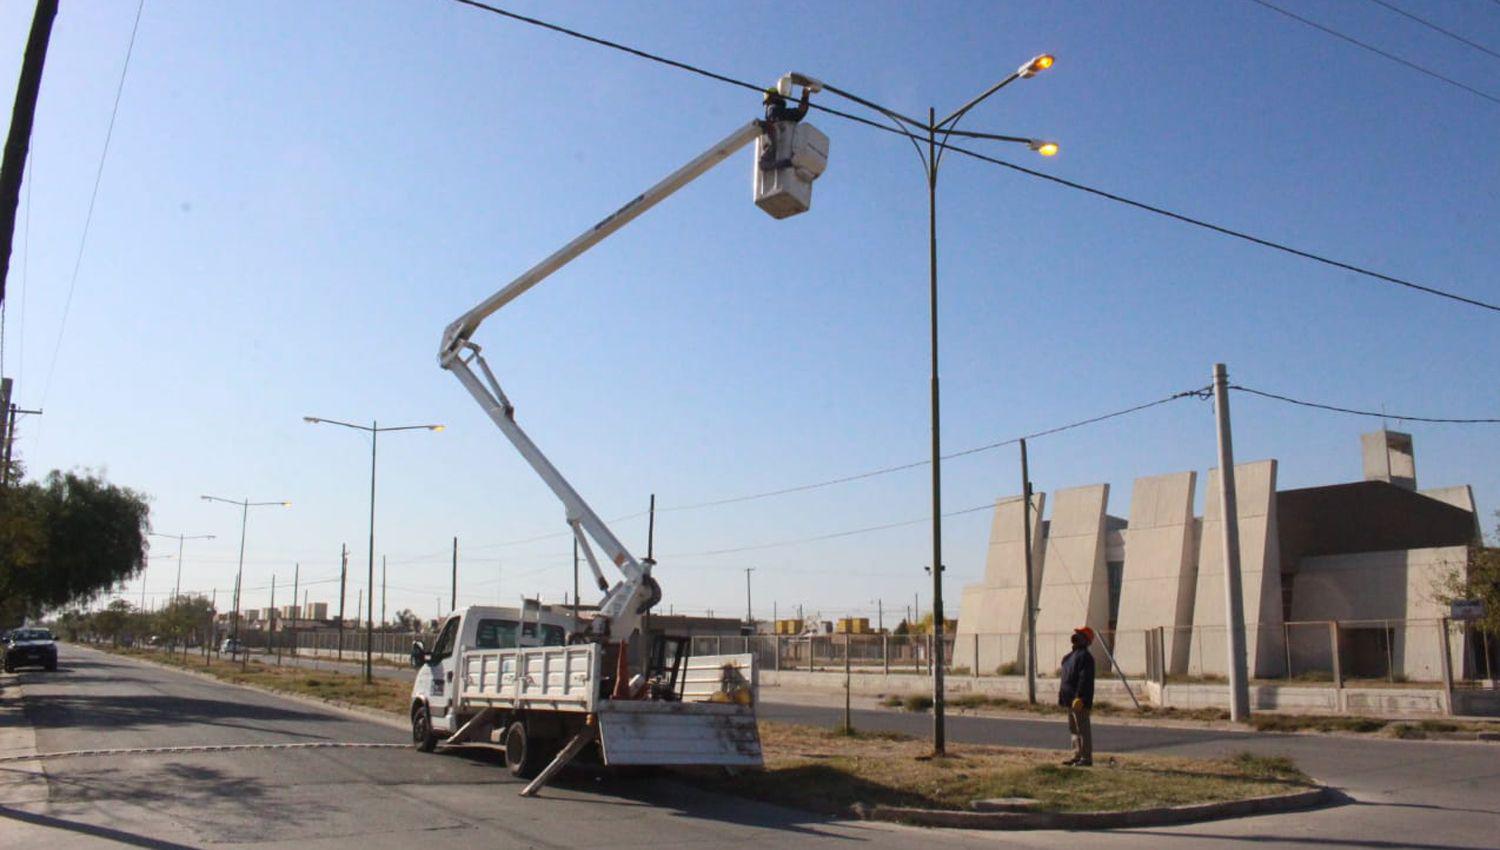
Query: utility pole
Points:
[749, 614]
[273, 618]
[359, 602]
[880, 615]
[382, 593]
[1030, 588]
[343, 576]
[1234, 601]
[454, 606]
[10, 438]
[296, 582]
[22, 115]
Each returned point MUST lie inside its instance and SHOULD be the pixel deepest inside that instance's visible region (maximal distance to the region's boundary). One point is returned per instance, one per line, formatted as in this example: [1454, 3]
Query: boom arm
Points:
[628, 599]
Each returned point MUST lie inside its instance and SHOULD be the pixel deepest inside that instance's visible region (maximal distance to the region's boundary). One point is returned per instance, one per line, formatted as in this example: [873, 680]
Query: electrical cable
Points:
[1432, 26]
[915, 464]
[834, 535]
[93, 197]
[1377, 51]
[1337, 409]
[1111, 196]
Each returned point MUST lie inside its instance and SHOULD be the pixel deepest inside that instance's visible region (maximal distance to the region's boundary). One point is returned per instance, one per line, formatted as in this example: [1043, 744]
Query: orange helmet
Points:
[1088, 633]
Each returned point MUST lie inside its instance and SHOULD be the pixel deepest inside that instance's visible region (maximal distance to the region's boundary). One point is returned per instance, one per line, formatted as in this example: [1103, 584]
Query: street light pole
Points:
[930, 161]
[749, 615]
[177, 587]
[245, 505]
[374, 430]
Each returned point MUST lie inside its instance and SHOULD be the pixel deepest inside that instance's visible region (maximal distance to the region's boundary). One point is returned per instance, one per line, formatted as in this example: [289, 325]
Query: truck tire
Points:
[524, 755]
[422, 736]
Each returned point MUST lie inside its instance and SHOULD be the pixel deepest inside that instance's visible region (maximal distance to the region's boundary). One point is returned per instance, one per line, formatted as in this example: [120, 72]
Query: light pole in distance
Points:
[245, 505]
[374, 430]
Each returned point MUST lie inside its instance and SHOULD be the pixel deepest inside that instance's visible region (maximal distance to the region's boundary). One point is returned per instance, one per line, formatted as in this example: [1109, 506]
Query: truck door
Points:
[441, 665]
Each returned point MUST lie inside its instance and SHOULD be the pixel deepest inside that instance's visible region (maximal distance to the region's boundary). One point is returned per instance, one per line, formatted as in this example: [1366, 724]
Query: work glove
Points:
[1077, 704]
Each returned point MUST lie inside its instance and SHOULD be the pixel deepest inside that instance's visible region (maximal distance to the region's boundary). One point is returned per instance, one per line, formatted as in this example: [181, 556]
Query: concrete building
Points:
[1368, 555]
[992, 613]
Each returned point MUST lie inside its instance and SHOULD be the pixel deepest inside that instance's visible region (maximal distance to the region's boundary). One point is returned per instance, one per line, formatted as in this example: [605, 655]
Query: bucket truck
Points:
[538, 682]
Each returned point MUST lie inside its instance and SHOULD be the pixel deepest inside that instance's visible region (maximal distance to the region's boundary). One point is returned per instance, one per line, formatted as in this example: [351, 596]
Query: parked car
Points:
[30, 648]
[230, 646]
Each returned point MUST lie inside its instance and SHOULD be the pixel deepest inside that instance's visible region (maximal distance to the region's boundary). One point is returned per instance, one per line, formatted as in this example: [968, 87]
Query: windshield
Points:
[31, 634]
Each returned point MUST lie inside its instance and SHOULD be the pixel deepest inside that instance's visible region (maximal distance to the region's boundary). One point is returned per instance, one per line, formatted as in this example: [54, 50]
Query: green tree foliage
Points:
[1478, 579]
[67, 538]
[186, 619]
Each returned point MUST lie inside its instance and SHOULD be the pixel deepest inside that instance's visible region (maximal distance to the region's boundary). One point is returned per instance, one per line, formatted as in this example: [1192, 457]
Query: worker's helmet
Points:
[1088, 633]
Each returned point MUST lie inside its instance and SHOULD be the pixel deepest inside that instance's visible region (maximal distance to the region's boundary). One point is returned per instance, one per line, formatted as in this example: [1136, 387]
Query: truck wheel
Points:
[523, 753]
[421, 729]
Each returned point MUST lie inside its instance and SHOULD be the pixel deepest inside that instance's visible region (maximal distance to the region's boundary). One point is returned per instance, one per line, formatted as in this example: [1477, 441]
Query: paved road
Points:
[1422, 795]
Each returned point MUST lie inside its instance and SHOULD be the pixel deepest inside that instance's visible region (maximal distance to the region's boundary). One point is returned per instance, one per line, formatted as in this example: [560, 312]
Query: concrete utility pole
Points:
[454, 606]
[1030, 590]
[343, 577]
[18, 143]
[296, 580]
[1234, 600]
[273, 617]
[382, 593]
[749, 613]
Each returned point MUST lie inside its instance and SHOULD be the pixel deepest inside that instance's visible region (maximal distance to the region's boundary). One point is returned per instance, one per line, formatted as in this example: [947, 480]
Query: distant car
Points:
[30, 648]
[230, 646]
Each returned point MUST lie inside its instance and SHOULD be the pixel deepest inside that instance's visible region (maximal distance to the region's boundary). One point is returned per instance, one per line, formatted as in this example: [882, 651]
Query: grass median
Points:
[390, 695]
[827, 771]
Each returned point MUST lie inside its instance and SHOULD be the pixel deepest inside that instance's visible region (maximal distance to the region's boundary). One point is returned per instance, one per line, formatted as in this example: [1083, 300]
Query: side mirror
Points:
[418, 654]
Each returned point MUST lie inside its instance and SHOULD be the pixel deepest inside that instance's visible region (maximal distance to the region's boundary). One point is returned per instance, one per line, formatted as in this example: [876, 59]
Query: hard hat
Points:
[1088, 633]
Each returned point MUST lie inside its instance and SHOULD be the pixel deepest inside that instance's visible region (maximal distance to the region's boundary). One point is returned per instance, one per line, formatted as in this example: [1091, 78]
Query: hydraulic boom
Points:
[790, 155]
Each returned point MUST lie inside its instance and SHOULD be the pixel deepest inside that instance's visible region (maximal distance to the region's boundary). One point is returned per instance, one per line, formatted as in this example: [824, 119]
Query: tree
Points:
[1478, 579]
[113, 621]
[65, 539]
[408, 620]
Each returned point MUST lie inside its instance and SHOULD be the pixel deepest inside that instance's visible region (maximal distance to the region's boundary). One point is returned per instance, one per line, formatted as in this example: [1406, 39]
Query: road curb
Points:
[1162, 816]
[361, 712]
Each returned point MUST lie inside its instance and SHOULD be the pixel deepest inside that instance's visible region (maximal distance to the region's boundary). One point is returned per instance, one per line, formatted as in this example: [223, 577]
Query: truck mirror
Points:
[418, 654]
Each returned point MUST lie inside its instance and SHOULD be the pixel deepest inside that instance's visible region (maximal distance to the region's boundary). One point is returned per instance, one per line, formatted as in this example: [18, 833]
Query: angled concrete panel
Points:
[1260, 575]
[1159, 580]
[1075, 581]
[997, 604]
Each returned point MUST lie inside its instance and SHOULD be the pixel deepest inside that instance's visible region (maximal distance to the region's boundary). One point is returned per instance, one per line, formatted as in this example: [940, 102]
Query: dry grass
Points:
[384, 694]
[827, 771]
[981, 703]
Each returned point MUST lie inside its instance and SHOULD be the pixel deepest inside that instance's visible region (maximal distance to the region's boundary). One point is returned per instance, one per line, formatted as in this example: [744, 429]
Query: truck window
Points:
[553, 635]
[496, 634]
[444, 645]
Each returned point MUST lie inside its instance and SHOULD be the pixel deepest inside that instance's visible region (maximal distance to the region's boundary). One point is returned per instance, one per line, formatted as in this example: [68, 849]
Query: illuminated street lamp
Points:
[915, 131]
[374, 430]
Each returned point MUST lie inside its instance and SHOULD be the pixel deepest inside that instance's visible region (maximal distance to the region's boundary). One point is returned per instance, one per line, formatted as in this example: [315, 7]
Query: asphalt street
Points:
[306, 774]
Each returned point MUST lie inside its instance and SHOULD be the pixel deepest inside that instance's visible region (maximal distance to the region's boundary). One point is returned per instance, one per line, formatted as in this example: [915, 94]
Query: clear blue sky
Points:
[299, 197]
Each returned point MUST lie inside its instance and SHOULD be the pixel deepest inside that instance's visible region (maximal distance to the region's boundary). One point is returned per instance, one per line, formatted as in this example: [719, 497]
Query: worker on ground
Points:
[1076, 694]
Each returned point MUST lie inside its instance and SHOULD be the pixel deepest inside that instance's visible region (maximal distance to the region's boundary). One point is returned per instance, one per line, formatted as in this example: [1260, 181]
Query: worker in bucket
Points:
[1075, 692]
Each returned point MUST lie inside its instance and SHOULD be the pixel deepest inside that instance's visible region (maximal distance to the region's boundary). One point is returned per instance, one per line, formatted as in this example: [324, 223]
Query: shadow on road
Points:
[104, 832]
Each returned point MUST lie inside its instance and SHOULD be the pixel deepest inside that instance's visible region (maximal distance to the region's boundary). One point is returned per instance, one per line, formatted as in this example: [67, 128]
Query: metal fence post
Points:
[1286, 644]
[885, 653]
[975, 666]
[811, 643]
[1390, 658]
[776, 663]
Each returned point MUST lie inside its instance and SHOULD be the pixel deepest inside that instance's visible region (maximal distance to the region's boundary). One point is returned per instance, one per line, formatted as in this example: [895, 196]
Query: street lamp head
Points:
[311, 420]
[436, 427]
[1044, 148]
[286, 504]
[1035, 66]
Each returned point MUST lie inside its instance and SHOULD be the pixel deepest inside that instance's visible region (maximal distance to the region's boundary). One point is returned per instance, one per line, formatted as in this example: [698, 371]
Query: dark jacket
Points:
[1077, 678]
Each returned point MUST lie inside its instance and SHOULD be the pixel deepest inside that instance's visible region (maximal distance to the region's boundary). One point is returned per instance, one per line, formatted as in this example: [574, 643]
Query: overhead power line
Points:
[1432, 26]
[1379, 415]
[1377, 51]
[1111, 196]
[860, 476]
[88, 218]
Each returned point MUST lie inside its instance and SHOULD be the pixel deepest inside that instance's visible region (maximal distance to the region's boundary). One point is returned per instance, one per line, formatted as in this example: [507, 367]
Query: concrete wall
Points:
[1372, 588]
[997, 604]
[1260, 573]
[1075, 583]
[1160, 578]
